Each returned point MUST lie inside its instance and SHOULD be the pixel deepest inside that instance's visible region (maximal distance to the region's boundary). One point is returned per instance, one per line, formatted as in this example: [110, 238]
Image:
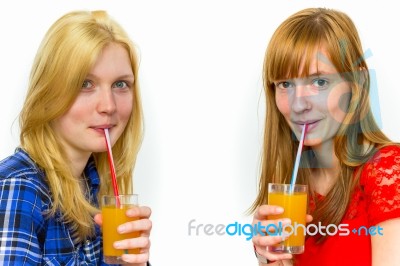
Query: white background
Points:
[201, 85]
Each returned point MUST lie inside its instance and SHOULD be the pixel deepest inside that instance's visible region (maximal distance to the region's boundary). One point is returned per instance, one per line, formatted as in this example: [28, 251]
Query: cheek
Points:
[338, 103]
[75, 114]
[69, 123]
[81, 107]
[125, 106]
[282, 102]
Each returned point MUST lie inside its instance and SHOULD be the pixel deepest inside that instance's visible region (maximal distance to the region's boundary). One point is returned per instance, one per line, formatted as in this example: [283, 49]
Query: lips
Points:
[311, 124]
[100, 128]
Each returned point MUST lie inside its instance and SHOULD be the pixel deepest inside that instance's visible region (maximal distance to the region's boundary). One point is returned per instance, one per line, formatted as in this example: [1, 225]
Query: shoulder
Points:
[21, 178]
[24, 200]
[20, 165]
[387, 156]
[384, 163]
[380, 180]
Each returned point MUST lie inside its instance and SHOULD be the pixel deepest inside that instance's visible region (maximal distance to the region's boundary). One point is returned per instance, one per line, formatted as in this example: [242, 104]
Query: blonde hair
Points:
[295, 40]
[65, 57]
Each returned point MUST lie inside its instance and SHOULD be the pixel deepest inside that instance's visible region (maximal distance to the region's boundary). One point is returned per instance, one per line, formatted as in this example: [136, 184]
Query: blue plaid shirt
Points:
[27, 236]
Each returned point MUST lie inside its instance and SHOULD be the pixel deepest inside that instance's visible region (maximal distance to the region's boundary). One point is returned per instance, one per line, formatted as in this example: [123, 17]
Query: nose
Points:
[301, 100]
[106, 102]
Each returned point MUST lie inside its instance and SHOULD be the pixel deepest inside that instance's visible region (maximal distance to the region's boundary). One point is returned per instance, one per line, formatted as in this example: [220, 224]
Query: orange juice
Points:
[112, 218]
[295, 208]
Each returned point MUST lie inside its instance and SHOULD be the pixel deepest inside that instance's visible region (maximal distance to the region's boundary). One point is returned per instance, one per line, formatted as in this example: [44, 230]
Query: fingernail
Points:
[279, 210]
[286, 221]
[121, 229]
[117, 244]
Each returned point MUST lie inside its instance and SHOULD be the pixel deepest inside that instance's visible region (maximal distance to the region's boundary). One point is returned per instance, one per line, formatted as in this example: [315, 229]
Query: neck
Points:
[326, 168]
[325, 156]
[78, 163]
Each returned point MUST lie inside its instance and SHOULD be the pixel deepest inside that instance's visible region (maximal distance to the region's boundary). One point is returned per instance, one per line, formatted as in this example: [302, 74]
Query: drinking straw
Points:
[112, 169]
[297, 161]
[111, 163]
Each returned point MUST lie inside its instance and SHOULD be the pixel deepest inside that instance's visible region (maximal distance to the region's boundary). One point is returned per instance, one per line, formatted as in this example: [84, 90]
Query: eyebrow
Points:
[124, 76]
[311, 75]
[319, 73]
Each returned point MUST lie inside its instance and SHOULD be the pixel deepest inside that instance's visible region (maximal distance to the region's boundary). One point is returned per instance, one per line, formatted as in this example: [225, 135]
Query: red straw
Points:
[112, 169]
[111, 163]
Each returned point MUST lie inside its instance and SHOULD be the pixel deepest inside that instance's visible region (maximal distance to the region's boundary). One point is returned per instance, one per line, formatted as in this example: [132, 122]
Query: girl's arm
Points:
[385, 247]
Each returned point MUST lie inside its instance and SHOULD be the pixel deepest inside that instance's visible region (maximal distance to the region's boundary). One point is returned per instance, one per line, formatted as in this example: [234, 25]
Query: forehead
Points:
[301, 62]
[114, 58]
[319, 62]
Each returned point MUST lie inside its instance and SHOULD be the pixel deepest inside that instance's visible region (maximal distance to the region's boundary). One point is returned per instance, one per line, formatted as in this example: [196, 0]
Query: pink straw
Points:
[111, 163]
[297, 162]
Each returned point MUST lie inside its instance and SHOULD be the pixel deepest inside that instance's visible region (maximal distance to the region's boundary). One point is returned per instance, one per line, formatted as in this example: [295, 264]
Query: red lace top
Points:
[376, 200]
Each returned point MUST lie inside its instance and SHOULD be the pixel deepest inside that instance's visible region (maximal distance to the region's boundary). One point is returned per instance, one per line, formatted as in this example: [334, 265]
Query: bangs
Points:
[296, 43]
[291, 53]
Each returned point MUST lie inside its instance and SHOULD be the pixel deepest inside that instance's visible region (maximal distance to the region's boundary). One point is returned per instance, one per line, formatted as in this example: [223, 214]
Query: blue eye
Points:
[320, 83]
[87, 84]
[284, 85]
[120, 84]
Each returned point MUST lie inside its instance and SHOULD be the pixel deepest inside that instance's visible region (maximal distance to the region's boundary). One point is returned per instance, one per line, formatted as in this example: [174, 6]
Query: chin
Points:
[99, 147]
[312, 142]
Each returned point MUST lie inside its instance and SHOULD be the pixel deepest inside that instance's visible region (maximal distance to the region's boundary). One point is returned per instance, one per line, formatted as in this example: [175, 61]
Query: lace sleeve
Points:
[380, 179]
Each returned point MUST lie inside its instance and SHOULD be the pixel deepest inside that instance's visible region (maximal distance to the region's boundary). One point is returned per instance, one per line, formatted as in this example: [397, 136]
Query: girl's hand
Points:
[261, 240]
[144, 225]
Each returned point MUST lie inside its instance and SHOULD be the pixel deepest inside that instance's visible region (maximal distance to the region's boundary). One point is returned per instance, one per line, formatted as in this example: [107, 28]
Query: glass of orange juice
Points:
[114, 209]
[294, 202]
